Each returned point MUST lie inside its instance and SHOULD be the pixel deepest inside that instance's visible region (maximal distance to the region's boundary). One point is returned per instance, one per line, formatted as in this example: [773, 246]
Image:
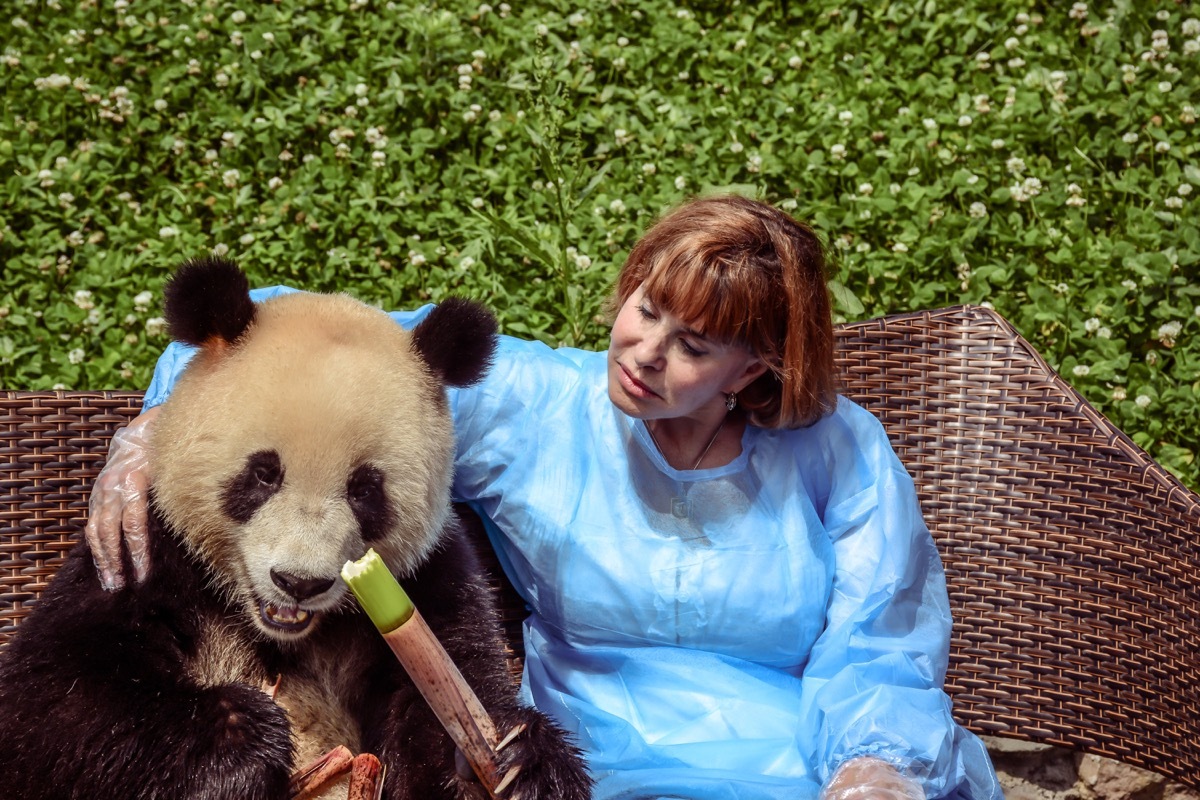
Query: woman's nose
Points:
[650, 350]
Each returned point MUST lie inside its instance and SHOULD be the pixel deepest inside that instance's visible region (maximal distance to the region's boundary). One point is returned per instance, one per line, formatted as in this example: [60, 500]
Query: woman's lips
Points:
[634, 386]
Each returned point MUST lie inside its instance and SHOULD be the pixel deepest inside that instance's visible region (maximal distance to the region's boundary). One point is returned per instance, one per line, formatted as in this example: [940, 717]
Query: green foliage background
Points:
[1039, 157]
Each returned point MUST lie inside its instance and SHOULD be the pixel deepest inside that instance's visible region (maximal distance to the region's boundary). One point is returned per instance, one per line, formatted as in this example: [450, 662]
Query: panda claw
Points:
[514, 733]
[506, 780]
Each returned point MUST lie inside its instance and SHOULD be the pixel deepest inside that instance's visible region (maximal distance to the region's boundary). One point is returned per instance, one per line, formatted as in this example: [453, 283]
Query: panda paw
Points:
[547, 765]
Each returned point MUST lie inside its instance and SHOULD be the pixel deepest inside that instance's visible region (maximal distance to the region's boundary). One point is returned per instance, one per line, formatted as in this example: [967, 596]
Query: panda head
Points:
[306, 429]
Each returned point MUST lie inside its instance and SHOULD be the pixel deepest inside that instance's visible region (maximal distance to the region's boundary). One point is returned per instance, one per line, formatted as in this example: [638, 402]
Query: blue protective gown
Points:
[732, 633]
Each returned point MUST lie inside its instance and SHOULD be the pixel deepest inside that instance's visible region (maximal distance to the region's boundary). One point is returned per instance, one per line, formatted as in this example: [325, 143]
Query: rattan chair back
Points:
[1073, 560]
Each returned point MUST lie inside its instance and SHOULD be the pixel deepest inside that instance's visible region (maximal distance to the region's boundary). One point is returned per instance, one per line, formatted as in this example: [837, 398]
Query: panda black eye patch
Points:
[245, 493]
[369, 502]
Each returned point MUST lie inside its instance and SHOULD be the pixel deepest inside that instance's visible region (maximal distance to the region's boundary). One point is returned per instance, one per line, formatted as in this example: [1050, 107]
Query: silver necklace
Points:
[680, 507]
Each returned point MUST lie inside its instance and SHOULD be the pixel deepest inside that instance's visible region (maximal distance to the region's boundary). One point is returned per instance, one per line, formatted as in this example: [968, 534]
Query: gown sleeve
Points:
[873, 682]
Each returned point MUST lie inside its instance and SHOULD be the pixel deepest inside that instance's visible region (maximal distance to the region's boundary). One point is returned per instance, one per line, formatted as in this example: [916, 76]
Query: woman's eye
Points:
[690, 349]
[646, 313]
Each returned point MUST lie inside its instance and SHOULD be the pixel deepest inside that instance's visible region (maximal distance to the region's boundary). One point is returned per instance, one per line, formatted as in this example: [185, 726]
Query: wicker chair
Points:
[1073, 559]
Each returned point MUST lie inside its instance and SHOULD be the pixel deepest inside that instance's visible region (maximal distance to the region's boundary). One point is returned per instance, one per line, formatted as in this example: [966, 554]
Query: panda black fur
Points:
[306, 429]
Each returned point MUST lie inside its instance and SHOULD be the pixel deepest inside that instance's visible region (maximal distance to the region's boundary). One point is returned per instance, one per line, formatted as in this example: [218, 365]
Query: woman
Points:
[733, 594]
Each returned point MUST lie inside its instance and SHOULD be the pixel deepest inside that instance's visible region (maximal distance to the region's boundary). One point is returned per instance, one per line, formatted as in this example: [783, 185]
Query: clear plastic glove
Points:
[868, 778]
[117, 508]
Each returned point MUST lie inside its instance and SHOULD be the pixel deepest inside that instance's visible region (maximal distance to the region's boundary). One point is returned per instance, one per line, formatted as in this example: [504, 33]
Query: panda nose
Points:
[298, 587]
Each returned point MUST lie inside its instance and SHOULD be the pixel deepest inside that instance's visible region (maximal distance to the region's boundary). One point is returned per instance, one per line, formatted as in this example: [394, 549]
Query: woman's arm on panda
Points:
[118, 504]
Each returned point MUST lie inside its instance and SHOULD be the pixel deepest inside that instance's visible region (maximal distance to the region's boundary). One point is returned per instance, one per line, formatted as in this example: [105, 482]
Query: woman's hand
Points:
[118, 505]
[867, 778]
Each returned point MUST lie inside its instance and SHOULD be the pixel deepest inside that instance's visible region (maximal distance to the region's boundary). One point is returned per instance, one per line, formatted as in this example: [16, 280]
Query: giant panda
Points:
[305, 429]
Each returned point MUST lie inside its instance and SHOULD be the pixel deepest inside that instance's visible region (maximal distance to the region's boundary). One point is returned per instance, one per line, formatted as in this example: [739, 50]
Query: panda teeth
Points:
[285, 616]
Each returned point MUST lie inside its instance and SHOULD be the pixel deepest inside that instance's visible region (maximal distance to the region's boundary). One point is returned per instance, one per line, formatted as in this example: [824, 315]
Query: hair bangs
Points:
[725, 300]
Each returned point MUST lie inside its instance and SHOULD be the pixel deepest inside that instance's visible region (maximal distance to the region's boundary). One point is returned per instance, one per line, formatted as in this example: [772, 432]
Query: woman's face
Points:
[660, 368]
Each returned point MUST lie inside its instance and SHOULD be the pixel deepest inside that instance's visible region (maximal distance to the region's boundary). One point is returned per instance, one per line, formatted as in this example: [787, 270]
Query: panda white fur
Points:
[306, 429]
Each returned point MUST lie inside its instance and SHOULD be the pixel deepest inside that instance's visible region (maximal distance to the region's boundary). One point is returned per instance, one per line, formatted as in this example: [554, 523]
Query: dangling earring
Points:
[731, 401]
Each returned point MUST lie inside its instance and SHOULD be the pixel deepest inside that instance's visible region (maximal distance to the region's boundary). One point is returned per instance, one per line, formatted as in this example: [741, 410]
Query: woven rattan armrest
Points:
[1073, 560]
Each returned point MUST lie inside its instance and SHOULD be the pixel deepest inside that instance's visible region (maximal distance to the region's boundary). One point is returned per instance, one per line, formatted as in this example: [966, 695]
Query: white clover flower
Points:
[1152, 358]
[1078, 11]
[790, 204]
[1184, 189]
[378, 158]
[1129, 138]
[865, 189]
[156, 326]
[1162, 147]
[142, 300]
[681, 183]
[649, 169]
[616, 206]
[576, 19]
[899, 247]
[622, 41]
[1061, 288]
[1016, 63]
[1143, 401]
[220, 250]
[895, 188]
[466, 263]
[1118, 393]
[754, 163]
[1168, 332]
[1015, 165]
[1092, 325]
[964, 121]
[83, 299]
[1191, 27]
[168, 231]
[541, 30]
[739, 45]
[929, 123]
[415, 258]
[1164, 86]
[582, 261]
[1104, 333]
[1076, 201]
[1081, 370]
[1191, 47]
[75, 356]
[268, 37]
[1129, 284]
[246, 238]
[1012, 43]
[66, 199]
[795, 62]
[838, 151]
[622, 136]
[75, 238]
[977, 210]
[230, 178]
[736, 147]
[477, 202]
[845, 116]
[1173, 202]
[274, 183]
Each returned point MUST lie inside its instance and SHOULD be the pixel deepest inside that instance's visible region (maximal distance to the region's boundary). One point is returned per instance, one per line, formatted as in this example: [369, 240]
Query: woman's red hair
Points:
[745, 272]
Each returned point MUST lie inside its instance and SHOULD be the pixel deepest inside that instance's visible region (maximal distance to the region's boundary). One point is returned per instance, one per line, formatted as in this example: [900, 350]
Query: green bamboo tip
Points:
[378, 592]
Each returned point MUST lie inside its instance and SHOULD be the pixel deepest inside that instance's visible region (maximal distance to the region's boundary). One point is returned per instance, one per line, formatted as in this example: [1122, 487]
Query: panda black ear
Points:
[206, 298]
[457, 340]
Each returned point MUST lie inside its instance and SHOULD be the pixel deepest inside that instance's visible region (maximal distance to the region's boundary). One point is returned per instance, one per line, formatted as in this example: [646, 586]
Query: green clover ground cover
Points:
[1038, 157]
